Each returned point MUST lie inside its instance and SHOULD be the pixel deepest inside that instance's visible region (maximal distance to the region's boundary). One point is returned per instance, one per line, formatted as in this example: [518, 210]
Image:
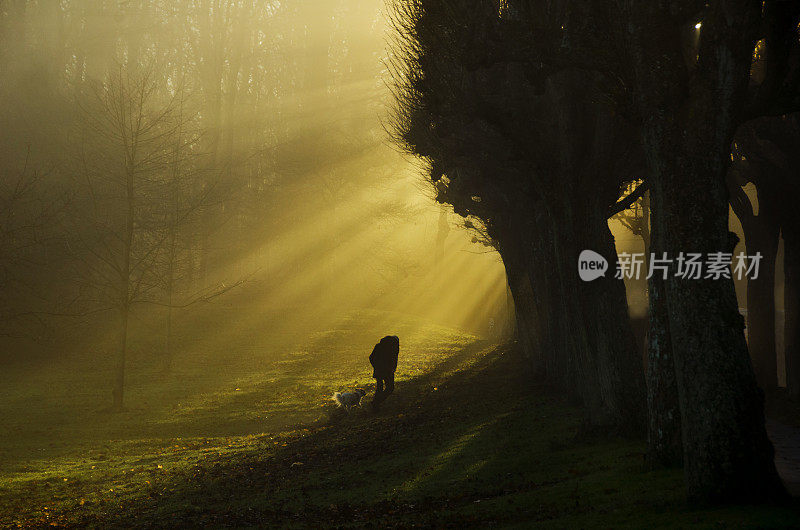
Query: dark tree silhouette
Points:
[467, 104]
[680, 72]
[690, 110]
[767, 156]
[761, 233]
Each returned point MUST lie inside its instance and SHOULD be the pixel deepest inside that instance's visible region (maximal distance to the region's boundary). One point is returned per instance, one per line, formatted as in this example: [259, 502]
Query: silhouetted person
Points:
[384, 363]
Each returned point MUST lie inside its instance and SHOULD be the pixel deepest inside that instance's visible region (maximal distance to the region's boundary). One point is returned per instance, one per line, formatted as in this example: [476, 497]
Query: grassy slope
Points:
[465, 440]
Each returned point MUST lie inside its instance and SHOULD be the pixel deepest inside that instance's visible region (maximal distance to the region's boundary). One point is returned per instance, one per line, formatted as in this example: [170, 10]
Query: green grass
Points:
[466, 440]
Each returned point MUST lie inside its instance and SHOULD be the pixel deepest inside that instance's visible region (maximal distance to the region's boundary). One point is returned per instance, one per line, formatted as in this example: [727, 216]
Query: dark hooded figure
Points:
[384, 363]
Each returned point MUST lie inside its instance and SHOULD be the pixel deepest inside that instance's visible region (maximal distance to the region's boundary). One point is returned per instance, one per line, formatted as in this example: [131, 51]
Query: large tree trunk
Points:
[664, 444]
[591, 340]
[727, 455]
[689, 118]
[612, 349]
[529, 332]
[582, 332]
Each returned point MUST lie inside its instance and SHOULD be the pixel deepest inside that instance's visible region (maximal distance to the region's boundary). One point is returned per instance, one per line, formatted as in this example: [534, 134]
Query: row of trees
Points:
[533, 115]
[765, 155]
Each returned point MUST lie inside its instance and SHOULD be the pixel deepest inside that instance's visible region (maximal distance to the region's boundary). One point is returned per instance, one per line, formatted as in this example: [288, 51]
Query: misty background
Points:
[199, 187]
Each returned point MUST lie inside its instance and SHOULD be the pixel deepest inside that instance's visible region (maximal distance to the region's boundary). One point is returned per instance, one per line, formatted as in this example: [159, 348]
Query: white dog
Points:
[348, 400]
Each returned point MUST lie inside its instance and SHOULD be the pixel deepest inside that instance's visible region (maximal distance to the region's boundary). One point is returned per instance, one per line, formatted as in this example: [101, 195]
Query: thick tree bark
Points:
[591, 339]
[727, 455]
[512, 235]
[523, 310]
[689, 118]
[574, 331]
[612, 348]
[564, 362]
[664, 443]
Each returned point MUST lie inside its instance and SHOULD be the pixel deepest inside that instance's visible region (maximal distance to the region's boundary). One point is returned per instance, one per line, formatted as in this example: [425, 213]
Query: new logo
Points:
[591, 265]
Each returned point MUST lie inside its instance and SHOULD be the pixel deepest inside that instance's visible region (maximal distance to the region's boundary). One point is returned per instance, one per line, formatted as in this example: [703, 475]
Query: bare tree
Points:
[135, 177]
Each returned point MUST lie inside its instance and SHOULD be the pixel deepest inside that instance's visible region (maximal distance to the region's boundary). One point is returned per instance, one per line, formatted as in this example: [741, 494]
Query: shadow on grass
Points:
[281, 479]
[469, 443]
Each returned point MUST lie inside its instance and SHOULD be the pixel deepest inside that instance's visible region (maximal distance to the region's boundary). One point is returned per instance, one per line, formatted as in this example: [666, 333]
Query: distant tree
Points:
[187, 193]
[139, 188]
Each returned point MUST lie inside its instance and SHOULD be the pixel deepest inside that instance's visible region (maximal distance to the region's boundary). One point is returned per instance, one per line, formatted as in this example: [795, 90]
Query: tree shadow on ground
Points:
[291, 480]
[472, 442]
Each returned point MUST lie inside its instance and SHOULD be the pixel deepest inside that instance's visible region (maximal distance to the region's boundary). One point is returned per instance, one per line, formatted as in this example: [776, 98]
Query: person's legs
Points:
[390, 384]
[380, 394]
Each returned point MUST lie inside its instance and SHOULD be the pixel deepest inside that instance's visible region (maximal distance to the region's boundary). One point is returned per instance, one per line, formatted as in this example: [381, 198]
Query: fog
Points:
[200, 198]
[252, 135]
[228, 229]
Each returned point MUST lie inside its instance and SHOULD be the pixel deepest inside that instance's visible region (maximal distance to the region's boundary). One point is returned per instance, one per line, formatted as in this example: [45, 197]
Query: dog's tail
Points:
[337, 397]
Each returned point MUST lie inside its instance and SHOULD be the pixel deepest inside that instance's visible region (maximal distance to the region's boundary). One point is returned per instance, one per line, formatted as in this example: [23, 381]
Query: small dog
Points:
[348, 400]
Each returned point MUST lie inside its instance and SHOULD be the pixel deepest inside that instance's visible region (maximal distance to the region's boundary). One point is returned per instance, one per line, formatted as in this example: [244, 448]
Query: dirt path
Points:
[786, 440]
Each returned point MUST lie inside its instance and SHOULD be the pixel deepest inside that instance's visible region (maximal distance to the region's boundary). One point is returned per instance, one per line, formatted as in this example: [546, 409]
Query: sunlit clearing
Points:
[228, 215]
